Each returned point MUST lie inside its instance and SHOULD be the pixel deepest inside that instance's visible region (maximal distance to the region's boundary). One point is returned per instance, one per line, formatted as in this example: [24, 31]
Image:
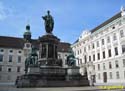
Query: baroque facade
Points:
[13, 52]
[102, 51]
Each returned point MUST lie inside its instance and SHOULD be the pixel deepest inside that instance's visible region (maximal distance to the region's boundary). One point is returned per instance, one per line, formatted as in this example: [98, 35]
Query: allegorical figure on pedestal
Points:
[49, 22]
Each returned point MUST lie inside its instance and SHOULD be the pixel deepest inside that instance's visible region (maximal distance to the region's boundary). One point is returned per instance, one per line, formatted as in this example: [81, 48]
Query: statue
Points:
[71, 60]
[31, 60]
[49, 22]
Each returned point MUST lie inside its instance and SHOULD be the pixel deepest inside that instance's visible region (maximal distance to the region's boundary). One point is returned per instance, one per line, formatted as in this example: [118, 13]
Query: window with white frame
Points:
[117, 75]
[99, 77]
[108, 39]
[103, 66]
[1, 57]
[123, 48]
[110, 75]
[110, 65]
[97, 43]
[121, 33]
[10, 58]
[116, 64]
[114, 36]
[103, 42]
[123, 62]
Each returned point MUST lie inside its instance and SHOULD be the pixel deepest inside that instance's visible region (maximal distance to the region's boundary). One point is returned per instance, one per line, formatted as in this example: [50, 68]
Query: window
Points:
[80, 61]
[85, 58]
[98, 66]
[110, 75]
[116, 51]
[103, 42]
[98, 56]
[123, 62]
[114, 36]
[99, 77]
[93, 46]
[103, 54]
[116, 64]
[0, 67]
[121, 33]
[97, 43]
[123, 48]
[10, 58]
[109, 53]
[11, 51]
[108, 39]
[1, 58]
[19, 51]
[1, 50]
[93, 57]
[104, 66]
[89, 58]
[9, 69]
[117, 75]
[18, 69]
[78, 52]
[19, 59]
[110, 65]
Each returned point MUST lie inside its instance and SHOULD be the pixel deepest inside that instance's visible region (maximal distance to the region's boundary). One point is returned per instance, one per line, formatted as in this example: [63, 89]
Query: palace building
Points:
[102, 51]
[13, 52]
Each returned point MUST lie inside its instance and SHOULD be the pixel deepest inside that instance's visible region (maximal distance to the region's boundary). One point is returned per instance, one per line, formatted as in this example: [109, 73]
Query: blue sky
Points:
[71, 16]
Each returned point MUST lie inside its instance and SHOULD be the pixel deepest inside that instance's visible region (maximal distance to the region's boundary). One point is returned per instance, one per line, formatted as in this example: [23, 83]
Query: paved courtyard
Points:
[13, 88]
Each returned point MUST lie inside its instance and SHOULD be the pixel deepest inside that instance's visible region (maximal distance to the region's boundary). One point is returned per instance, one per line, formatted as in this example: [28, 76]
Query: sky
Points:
[71, 17]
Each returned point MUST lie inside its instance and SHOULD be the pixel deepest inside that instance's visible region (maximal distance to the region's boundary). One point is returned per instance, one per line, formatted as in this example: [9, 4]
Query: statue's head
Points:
[48, 12]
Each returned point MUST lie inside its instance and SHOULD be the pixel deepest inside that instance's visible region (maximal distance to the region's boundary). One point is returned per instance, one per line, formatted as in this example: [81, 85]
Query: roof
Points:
[107, 22]
[15, 42]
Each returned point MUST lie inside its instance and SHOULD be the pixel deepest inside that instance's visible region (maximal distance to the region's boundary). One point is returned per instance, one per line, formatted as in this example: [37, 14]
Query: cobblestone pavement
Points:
[13, 88]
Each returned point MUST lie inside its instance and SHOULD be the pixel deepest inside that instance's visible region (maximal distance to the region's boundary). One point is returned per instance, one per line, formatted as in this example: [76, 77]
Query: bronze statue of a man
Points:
[49, 22]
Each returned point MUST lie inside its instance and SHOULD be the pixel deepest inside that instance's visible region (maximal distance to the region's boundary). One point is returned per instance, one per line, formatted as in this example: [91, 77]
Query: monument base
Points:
[52, 77]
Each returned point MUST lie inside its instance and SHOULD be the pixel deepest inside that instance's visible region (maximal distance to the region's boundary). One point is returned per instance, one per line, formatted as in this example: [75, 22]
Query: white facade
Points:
[102, 52]
[11, 64]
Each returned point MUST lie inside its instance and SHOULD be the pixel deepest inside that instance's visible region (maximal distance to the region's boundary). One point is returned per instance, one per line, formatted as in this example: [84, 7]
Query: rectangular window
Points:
[108, 39]
[103, 66]
[0, 67]
[89, 58]
[10, 58]
[9, 69]
[116, 64]
[18, 69]
[80, 61]
[97, 43]
[1, 58]
[85, 58]
[114, 36]
[123, 48]
[110, 65]
[110, 75]
[98, 55]
[103, 54]
[103, 42]
[116, 51]
[19, 59]
[124, 74]
[98, 66]
[121, 33]
[93, 57]
[117, 75]
[109, 52]
[93, 46]
[123, 62]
